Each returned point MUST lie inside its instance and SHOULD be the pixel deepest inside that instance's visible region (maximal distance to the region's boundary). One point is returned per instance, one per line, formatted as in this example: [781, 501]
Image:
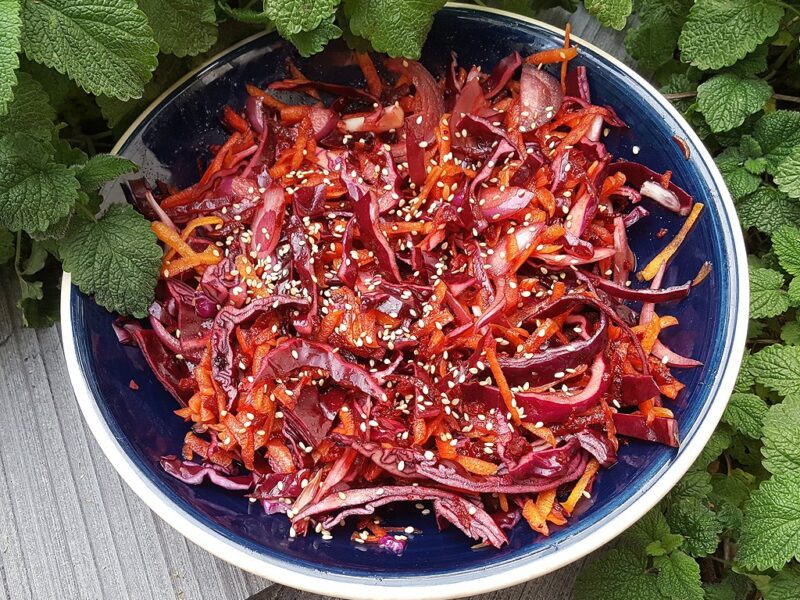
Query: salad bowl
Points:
[135, 428]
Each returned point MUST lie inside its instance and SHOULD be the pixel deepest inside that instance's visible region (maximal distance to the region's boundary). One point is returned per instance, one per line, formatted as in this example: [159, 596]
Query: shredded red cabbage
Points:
[412, 294]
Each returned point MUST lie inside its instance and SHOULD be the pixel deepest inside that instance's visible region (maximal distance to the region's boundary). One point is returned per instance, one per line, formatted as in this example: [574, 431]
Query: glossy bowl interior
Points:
[135, 428]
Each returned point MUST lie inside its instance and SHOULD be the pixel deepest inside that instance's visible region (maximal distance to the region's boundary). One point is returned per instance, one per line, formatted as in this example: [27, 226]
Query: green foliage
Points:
[106, 46]
[10, 28]
[654, 40]
[115, 258]
[102, 168]
[787, 174]
[718, 33]
[35, 191]
[311, 42]
[293, 16]
[767, 296]
[745, 413]
[727, 99]
[397, 27]
[182, 27]
[612, 13]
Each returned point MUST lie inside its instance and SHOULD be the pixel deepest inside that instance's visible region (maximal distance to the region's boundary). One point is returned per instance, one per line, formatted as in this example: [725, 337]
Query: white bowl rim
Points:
[364, 588]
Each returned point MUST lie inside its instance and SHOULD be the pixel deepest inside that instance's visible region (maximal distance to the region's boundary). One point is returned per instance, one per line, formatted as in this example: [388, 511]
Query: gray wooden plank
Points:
[69, 526]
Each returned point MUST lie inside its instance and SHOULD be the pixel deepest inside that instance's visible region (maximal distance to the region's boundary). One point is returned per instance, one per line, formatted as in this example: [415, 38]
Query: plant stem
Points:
[785, 98]
[788, 6]
[785, 55]
[680, 95]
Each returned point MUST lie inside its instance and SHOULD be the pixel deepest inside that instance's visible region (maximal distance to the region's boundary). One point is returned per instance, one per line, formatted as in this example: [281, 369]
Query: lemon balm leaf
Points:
[10, 29]
[771, 525]
[726, 100]
[293, 16]
[745, 413]
[116, 258]
[311, 42]
[612, 13]
[767, 296]
[106, 46]
[35, 191]
[182, 27]
[718, 33]
[102, 168]
[787, 174]
[397, 27]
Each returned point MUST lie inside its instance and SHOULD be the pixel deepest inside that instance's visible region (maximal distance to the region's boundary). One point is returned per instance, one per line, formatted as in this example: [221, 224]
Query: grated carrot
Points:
[577, 492]
[477, 466]
[502, 384]
[663, 257]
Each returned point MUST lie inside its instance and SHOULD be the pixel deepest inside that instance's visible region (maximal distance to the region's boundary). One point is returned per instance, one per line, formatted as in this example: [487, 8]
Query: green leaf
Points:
[34, 191]
[695, 484]
[679, 576]
[10, 28]
[311, 42]
[66, 154]
[787, 174]
[7, 240]
[117, 112]
[102, 168]
[767, 209]
[790, 333]
[750, 147]
[670, 543]
[717, 33]
[653, 42]
[746, 379]
[35, 260]
[29, 112]
[777, 133]
[777, 367]
[611, 13]
[727, 99]
[719, 591]
[651, 527]
[753, 63]
[621, 574]
[794, 292]
[697, 523]
[786, 244]
[732, 489]
[39, 299]
[732, 587]
[785, 585]
[182, 27]
[293, 16]
[244, 15]
[771, 527]
[739, 180]
[719, 441]
[782, 441]
[106, 46]
[756, 166]
[745, 413]
[767, 297]
[116, 258]
[397, 27]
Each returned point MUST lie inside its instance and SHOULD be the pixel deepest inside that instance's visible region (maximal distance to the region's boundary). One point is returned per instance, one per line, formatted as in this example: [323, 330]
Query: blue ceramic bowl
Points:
[136, 428]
